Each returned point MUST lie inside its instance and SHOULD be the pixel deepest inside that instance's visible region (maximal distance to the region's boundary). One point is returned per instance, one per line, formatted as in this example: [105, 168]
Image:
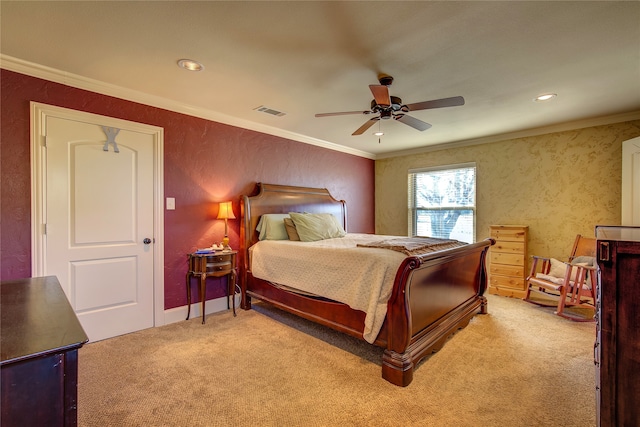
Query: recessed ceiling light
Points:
[545, 97]
[190, 64]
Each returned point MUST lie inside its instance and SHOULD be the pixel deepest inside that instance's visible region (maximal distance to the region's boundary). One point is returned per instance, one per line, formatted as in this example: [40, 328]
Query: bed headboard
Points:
[273, 198]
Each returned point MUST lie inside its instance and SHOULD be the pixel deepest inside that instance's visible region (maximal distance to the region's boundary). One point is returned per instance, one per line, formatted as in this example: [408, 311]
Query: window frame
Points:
[413, 209]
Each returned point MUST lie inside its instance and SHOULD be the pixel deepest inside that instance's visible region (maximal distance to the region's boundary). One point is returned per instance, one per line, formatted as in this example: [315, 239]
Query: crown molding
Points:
[69, 79]
[80, 82]
[561, 127]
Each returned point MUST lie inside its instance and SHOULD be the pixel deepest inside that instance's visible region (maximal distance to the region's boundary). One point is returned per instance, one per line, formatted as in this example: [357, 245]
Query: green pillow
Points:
[271, 227]
[314, 227]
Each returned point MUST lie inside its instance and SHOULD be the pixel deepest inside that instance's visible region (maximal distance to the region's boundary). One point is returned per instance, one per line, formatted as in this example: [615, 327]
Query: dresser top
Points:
[618, 233]
[36, 319]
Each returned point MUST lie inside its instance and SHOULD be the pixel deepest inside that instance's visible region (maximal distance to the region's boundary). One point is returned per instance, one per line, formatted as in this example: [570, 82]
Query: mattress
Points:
[337, 269]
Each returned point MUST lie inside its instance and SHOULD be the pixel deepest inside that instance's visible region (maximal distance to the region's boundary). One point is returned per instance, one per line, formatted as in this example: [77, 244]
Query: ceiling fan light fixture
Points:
[378, 133]
[545, 97]
[385, 114]
[190, 65]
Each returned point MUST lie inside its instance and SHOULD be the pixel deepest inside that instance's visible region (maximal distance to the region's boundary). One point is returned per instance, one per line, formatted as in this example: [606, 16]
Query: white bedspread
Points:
[360, 277]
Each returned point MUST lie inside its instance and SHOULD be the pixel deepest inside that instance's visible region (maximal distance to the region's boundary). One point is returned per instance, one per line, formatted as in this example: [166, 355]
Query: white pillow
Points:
[559, 269]
[313, 227]
[271, 227]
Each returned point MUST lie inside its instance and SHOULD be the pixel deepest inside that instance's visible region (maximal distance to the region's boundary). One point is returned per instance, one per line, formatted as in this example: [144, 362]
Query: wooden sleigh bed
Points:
[433, 295]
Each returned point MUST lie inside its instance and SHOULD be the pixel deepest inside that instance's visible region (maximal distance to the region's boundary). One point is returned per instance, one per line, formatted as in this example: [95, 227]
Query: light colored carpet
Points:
[519, 365]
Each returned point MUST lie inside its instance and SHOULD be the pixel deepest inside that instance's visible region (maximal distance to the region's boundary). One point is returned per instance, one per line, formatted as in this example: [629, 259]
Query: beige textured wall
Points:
[559, 184]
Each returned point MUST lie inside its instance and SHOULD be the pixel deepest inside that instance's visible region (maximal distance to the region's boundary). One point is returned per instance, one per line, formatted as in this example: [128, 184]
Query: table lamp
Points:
[225, 211]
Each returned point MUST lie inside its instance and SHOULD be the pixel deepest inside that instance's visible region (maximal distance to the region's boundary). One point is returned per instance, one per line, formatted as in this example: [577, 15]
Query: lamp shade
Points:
[225, 211]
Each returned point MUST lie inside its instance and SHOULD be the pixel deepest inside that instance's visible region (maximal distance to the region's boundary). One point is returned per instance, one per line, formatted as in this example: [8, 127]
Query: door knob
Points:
[146, 241]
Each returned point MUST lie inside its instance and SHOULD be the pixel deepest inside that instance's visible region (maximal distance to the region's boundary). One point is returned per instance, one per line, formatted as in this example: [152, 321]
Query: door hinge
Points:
[44, 229]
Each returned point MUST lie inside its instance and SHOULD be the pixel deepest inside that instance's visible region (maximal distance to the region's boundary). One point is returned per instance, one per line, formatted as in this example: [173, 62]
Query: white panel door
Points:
[631, 182]
[100, 224]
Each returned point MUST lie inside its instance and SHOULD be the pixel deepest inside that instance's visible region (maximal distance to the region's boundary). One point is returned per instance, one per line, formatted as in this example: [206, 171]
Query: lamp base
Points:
[225, 244]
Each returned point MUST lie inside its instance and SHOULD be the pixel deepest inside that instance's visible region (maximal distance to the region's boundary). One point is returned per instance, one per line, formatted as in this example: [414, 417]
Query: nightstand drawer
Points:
[219, 266]
[219, 258]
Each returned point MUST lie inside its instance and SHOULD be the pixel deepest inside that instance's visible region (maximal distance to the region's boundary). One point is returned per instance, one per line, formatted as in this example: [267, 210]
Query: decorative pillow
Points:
[589, 261]
[271, 227]
[558, 268]
[313, 227]
[586, 260]
[291, 229]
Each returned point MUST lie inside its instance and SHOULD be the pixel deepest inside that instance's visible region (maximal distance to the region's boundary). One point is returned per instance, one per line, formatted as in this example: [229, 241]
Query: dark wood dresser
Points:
[39, 340]
[618, 326]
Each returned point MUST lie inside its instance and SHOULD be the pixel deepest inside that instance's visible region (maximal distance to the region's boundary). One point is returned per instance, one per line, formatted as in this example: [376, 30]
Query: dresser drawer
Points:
[508, 247]
[509, 259]
[507, 270]
[506, 282]
[507, 234]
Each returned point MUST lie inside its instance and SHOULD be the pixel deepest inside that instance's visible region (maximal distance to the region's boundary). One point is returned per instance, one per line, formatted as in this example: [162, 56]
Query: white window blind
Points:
[442, 202]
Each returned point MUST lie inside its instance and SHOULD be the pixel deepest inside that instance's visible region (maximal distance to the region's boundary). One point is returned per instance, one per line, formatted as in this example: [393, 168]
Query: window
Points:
[442, 202]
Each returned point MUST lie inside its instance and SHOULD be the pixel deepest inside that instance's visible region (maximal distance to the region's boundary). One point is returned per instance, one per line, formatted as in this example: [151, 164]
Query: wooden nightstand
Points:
[217, 264]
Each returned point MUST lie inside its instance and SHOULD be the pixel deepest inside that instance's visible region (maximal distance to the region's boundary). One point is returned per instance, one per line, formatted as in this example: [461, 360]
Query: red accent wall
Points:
[205, 162]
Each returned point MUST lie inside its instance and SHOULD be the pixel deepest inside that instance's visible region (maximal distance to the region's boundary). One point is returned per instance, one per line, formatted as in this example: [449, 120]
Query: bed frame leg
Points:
[483, 304]
[397, 368]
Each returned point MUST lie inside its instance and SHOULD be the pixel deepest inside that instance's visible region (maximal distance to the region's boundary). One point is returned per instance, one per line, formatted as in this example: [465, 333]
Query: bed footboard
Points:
[434, 296]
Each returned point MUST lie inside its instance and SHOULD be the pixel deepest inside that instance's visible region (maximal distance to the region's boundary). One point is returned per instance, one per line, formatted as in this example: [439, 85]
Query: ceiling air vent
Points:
[267, 110]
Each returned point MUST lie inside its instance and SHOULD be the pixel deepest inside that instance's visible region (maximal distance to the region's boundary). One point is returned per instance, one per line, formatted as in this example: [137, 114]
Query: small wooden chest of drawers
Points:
[508, 260]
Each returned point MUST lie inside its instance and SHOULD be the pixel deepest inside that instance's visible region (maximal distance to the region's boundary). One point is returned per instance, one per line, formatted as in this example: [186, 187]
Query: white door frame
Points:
[39, 113]
[631, 182]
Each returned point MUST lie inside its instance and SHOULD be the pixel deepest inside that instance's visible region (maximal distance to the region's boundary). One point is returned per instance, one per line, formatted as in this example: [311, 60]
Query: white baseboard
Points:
[179, 314]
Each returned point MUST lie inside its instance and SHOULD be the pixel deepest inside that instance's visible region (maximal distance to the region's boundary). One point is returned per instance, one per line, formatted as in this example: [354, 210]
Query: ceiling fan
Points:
[391, 107]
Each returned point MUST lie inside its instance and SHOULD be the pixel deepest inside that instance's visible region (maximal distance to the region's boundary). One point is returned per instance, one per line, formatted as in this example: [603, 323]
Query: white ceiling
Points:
[311, 57]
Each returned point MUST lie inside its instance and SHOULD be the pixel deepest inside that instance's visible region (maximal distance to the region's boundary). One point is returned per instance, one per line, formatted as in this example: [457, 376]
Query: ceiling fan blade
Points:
[437, 103]
[413, 122]
[381, 94]
[362, 129]
[342, 113]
